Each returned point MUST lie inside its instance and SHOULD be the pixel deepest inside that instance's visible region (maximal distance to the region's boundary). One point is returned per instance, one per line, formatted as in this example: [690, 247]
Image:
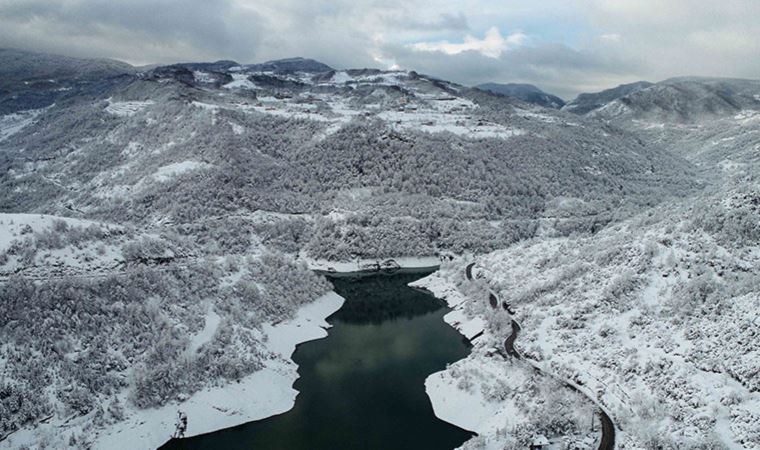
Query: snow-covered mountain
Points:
[179, 143]
[684, 100]
[291, 65]
[585, 103]
[525, 92]
[36, 80]
[156, 222]
[653, 316]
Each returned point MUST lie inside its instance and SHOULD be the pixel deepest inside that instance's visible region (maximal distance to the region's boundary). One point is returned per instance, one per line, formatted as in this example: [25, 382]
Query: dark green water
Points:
[362, 387]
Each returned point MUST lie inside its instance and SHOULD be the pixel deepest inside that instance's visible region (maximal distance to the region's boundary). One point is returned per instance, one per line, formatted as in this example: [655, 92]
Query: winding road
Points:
[608, 428]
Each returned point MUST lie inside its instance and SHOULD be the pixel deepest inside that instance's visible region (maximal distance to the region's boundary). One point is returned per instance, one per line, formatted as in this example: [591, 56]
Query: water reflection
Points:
[363, 386]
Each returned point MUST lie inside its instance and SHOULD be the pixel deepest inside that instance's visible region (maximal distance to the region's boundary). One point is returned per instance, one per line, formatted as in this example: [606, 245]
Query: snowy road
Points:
[608, 428]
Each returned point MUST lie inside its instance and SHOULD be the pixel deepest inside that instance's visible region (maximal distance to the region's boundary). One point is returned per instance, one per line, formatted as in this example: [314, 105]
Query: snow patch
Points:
[13, 226]
[166, 173]
[11, 124]
[203, 77]
[206, 334]
[240, 81]
[263, 394]
[126, 109]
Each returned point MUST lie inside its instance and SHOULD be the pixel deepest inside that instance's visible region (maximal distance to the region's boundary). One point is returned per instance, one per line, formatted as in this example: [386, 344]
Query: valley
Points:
[165, 231]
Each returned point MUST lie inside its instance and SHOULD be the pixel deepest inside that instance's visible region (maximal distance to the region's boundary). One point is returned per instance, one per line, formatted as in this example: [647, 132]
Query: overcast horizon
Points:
[563, 47]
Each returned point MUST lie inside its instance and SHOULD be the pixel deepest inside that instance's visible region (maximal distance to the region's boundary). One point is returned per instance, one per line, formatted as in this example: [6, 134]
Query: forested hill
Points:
[525, 92]
[712, 122]
[153, 220]
[189, 142]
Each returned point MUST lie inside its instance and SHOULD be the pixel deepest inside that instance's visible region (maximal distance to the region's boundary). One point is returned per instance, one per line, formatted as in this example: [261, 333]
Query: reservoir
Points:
[362, 387]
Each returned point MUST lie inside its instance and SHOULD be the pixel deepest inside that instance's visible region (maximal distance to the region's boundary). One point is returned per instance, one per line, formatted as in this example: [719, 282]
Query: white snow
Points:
[240, 81]
[165, 173]
[341, 77]
[237, 129]
[210, 326]
[206, 106]
[12, 225]
[468, 326]
[125, 109]
[433, 121]
[469, 408]
[262, 394]
[203, 77]
[357, 265]
[613, 109]
[11, 124]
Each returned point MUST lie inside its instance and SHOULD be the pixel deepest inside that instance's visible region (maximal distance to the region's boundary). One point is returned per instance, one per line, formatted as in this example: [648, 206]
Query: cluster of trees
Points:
[277, 165]
[543, 405]
[87, 339]
[59, 235]
[690, 291]
[737, 225]
[376, 235]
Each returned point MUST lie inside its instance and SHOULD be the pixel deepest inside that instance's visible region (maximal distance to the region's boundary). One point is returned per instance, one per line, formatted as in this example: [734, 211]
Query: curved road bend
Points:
[608, 428]
[468, 271]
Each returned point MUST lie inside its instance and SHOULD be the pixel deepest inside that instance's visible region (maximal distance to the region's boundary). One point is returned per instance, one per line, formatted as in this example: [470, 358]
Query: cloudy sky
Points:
[563, 46]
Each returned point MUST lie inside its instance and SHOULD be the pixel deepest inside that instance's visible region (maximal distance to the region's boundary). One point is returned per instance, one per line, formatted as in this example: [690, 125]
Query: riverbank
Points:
[372, 265]
[471, 407]
[265, 393]
[363, 386]
[488, 393]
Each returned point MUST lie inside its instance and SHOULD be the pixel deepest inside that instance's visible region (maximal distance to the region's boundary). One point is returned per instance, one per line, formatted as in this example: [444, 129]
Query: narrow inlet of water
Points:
[362, 387]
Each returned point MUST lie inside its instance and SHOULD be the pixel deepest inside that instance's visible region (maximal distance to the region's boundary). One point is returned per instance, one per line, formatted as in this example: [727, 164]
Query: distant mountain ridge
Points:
[525, 92]
[588, 102]
[210, 178]
[29, 66]
[685, 99]
[297, 64]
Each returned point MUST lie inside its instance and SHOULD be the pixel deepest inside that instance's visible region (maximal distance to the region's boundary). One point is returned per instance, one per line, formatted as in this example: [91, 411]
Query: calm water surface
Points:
[362, 387]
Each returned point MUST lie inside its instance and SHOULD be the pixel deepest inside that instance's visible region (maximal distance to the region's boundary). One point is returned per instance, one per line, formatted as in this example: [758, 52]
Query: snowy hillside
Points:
[684, 100]
[156, 226]
[588, 102]
[656, 315]
[673, 296]
[301, 139]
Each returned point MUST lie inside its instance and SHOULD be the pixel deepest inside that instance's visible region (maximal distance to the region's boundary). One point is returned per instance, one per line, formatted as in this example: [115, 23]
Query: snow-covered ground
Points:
[240, 81]
[423, 108]
[503, 400]
[265, 393]
[361, 265]
[17, 225]
[165, 173]
[45, 246]
[437, 120]
[127, 108]
[653, 318]
[466, 404]
[11, 124]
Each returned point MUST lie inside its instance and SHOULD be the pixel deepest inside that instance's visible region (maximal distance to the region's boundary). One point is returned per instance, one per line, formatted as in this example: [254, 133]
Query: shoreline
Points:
[483, 417]
[262, 394]
[463, 409]
[375, 265]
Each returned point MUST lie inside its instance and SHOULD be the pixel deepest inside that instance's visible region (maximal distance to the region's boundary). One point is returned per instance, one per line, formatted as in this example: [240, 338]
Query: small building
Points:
[539, 442]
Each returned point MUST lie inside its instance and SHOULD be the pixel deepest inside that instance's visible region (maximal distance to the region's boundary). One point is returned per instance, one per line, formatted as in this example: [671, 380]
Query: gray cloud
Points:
[554, 67]
[137, 31]
[568, 47]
